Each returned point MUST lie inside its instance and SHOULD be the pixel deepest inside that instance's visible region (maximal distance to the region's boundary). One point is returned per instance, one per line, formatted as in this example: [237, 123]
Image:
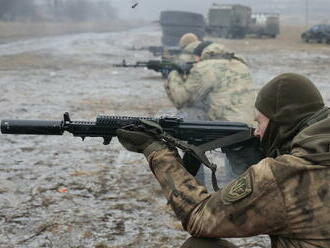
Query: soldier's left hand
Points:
[141, 142]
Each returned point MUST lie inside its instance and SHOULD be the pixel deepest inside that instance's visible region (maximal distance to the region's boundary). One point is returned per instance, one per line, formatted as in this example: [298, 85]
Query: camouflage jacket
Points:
[222, 86]
[287, 197]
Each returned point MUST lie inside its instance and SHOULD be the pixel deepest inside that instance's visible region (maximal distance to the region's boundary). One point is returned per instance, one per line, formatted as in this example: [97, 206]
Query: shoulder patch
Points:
[238, 189]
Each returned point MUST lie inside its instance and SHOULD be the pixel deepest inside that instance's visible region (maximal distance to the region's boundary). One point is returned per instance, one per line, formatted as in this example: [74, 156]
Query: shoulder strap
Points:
[199, 151]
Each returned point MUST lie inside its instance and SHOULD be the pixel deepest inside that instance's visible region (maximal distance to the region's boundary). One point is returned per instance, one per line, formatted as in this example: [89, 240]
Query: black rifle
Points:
[160, 50]
[162, 66]
[192, 137]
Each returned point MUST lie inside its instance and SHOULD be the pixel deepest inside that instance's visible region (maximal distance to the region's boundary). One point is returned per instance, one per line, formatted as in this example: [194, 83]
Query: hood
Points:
[315, 140]
[291, 102]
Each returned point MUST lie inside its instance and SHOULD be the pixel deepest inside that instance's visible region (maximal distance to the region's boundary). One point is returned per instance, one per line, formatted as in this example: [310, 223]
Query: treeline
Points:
[56, 10]
[11, 10]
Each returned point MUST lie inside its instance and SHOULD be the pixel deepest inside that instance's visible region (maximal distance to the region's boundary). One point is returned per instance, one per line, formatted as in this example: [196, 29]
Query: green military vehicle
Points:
[236, 21]
[174, 24]
[229, 20]
[264, 24]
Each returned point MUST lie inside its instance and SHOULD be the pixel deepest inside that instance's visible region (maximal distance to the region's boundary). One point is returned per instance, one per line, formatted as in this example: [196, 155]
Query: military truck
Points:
[174, 24]
[264, 24]
[228, 20]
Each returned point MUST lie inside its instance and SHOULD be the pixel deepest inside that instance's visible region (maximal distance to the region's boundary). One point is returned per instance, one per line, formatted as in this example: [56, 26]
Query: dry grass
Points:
[289, 35]
[18, 30]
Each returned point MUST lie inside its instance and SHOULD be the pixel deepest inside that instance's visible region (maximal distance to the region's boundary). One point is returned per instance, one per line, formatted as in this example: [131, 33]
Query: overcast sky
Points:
[150, 9]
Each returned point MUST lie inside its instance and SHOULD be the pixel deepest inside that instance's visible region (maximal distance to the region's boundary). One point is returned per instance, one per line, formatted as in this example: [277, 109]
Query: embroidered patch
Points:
[238, 189]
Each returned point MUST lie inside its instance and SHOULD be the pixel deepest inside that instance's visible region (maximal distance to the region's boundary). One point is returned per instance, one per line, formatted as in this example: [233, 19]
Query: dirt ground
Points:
[57, 191]
[10, 31]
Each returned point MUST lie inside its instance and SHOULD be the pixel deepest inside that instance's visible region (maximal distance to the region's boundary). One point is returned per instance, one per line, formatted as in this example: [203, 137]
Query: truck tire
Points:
[325, 40]
[237, 32]
[305, 38]
[181, 18]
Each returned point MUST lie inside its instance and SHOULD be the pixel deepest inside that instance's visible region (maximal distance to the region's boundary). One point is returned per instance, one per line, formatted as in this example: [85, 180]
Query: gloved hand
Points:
[141, 142]
[184, 68]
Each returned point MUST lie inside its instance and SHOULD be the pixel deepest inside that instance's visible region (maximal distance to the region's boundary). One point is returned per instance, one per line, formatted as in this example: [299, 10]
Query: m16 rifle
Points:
[193, 137]
[162, 66]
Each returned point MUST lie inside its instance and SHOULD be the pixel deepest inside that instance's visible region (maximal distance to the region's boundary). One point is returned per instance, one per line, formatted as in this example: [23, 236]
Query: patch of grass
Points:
[18, 30]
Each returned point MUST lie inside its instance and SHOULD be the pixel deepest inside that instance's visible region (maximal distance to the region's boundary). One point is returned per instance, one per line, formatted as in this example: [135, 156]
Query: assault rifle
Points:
[192, 137]
[160, 50]
[162, 66]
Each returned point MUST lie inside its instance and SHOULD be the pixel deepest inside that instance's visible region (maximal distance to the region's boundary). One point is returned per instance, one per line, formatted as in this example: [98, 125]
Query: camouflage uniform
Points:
[217, 87]
[188, 112]
[287, 197]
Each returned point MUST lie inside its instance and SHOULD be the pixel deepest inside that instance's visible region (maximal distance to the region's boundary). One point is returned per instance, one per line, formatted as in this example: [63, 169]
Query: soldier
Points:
[286, 195]
[218, 87]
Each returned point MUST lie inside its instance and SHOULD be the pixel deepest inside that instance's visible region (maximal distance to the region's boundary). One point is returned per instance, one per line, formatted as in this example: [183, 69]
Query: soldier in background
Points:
[188, 42]
[218, 87]
[286, 195]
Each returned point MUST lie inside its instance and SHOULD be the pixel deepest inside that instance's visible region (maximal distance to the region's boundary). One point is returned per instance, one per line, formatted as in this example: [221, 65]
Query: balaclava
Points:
[288, 100]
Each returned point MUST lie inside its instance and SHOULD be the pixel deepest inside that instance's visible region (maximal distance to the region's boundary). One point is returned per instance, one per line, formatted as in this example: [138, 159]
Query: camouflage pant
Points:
[207, 243]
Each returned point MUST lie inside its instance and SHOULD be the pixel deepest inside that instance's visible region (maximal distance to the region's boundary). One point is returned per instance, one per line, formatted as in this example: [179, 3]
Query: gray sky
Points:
[150, 9]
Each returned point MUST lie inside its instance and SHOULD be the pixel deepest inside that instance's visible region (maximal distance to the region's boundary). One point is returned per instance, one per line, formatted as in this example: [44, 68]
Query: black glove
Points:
[141, 142]
[184, 68]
